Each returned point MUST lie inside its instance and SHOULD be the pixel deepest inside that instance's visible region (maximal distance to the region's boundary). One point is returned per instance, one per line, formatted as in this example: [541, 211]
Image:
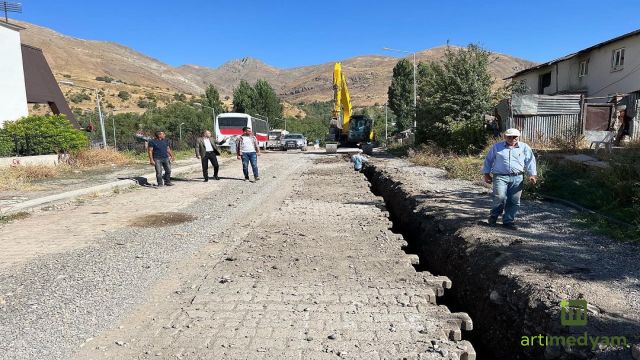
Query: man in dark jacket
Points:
[207, 150]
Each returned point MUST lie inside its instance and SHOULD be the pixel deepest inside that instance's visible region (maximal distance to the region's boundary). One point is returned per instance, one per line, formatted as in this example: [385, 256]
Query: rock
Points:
[495, 297]
[309, 338]
[333, 336]
[120, 343]
[444, 352]
[635, 351]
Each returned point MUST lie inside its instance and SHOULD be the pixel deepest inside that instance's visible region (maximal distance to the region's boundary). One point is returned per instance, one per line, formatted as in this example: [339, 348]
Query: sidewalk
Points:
[86, 182]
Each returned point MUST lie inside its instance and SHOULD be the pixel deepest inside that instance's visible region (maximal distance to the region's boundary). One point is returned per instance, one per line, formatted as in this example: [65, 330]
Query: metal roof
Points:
[567, 57]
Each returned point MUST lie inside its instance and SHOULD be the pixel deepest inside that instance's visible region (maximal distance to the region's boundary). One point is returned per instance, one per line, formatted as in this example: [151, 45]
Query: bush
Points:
[106, 79]
[124, 95]
[38, 135]
[79, 97]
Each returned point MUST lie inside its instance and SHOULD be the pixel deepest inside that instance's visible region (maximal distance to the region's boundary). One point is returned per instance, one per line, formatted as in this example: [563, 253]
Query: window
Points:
[584, 68]
[544, 81]
[617, 60]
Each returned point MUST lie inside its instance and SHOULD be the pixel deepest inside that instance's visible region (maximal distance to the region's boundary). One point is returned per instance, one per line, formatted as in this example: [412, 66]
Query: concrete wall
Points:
[13, 95]
[600, 80]
[50, 160]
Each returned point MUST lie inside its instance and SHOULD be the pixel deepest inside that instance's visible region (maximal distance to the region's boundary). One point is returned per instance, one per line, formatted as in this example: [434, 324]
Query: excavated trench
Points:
[474, 269]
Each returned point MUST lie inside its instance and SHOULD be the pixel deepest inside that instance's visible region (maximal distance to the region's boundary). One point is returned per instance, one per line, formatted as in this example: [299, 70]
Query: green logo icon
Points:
[573, 312]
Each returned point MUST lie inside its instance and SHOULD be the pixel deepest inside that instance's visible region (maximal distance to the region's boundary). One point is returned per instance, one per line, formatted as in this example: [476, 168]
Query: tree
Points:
[267, 103]
[243, 98]
[211, 98]
[401, 94]
[453, 97]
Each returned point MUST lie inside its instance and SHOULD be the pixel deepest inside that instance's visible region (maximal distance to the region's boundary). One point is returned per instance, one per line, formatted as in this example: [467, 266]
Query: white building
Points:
[598, 73]
[13, 94]
[611, 67]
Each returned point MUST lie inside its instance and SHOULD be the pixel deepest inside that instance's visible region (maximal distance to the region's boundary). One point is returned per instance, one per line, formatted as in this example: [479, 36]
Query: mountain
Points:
[81, 61]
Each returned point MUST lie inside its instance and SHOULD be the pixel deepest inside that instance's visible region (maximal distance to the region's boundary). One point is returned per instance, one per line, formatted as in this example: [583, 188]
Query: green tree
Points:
[453, 97]
[211, 98]
[267, 103]
[243, 98]
[401, 94]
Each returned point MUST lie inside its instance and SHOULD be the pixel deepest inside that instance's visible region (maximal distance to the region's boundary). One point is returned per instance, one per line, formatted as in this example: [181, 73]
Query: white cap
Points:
[512, 132]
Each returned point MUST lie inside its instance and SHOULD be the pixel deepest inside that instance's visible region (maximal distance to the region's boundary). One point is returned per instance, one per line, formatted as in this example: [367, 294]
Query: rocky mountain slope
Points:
[81, 61]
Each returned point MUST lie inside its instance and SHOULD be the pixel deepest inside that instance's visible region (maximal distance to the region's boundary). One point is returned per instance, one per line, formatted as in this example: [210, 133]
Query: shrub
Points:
[79, 97]
[37, 135]
[124, 95]
[106, 79]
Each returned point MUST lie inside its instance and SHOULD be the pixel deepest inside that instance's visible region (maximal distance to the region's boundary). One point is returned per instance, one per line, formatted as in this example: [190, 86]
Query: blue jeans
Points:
[253, 158]
[506, 197]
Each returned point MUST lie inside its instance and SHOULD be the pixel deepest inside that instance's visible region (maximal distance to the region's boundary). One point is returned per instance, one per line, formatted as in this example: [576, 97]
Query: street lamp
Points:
[180, 130]
[415, 84]
[104, 136]
[212, 110]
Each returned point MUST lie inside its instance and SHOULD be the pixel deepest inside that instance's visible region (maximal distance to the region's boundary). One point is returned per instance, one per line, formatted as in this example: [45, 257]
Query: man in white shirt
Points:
[248, 149]
[207, 150]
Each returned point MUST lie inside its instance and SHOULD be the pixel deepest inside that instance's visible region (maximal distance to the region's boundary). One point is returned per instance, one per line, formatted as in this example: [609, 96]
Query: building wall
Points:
[600, 79]
[13, 95]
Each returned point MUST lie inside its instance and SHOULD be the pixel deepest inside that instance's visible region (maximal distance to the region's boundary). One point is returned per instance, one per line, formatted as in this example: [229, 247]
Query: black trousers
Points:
[209, 156]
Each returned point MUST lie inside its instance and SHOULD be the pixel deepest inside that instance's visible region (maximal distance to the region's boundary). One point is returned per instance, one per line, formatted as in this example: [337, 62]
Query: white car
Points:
[293, 142]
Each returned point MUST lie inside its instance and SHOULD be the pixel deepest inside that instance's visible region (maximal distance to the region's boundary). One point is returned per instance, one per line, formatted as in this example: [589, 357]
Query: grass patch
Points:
[612, 192]
[22, 178]
[90, 158]
[4, 219]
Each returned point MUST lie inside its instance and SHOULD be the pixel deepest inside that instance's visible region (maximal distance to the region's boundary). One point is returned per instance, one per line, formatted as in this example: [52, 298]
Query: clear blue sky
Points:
[290, 33]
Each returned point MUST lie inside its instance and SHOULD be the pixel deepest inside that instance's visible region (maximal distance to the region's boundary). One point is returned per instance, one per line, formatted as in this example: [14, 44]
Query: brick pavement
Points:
[320, 277]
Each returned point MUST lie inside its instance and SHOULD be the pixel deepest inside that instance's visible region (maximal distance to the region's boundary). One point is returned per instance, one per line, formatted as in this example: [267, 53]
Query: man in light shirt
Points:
[504, 166]
[207, 150]
[248, 149]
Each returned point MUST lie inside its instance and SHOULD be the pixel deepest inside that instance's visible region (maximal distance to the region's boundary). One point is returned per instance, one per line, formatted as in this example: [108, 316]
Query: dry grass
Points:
[22, 178]
[99, 157]
[25, 177]
[467, 167]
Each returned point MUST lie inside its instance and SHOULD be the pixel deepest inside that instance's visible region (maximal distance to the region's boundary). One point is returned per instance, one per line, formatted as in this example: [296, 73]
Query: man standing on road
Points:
[505, 166]
[207, 151]
[160, 156]
[248, 150]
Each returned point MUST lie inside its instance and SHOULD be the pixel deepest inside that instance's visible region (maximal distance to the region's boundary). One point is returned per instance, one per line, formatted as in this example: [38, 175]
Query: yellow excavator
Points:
[346, 129]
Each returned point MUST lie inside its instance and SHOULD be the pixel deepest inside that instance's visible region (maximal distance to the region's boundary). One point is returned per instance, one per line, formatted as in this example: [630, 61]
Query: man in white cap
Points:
[504, 166]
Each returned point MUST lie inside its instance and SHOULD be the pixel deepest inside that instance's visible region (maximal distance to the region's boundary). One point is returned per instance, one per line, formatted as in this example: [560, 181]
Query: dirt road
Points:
[288, 267]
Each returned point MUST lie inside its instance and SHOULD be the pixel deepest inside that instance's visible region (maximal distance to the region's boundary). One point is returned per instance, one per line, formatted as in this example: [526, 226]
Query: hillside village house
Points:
[26, 78]
[13, 94]
[608, 72]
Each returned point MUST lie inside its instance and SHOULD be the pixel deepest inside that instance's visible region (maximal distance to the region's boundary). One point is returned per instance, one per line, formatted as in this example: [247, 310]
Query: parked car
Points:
[293, 141]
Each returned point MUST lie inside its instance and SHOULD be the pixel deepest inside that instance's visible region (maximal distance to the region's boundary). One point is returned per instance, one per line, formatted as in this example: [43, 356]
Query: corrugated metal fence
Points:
[542, 118]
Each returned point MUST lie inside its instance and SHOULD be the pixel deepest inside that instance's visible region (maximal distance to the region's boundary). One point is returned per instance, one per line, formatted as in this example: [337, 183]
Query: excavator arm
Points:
[342, 100]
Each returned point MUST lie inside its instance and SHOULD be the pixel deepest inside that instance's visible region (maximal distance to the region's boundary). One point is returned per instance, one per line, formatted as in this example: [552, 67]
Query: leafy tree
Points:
[43, 135]
[453, 97]
[267, 103]
[401, 94]
[180, 97]
[211, 98]
[243, 98]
